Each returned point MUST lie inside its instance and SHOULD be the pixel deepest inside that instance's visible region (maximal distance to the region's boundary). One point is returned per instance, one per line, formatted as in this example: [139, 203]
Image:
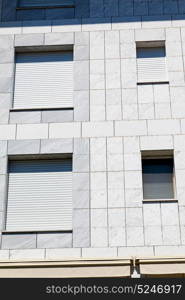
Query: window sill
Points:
[160, 200]
[35, 231]
[40, 108]
[46, 7]
[152, 82]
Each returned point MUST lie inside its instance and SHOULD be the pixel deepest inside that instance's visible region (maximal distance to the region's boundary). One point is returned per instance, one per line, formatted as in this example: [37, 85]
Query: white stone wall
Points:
[114, 120]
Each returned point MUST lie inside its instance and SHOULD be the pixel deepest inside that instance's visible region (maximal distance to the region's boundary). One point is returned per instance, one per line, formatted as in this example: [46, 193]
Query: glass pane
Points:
[158, 178]
[151, 52]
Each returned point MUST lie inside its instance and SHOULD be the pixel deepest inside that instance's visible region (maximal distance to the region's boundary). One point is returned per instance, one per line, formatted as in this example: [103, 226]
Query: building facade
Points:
[92, 138]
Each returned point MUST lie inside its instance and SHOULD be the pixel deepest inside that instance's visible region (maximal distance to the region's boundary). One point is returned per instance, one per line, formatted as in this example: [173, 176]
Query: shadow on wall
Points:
[107, 23]
[13, 10]
[18, 10]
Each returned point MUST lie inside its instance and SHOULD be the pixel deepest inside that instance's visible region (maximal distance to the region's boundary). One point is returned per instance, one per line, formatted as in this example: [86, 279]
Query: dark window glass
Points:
[158, 178]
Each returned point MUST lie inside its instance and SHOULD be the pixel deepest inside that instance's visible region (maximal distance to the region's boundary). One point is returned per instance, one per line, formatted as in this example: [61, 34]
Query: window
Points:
[158, 179]
[43, 80]
[39, 195]
[45, 3]
[151, 64]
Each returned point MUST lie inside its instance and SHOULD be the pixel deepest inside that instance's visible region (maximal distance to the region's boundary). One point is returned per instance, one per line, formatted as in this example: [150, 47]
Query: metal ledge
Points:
[40, 109]
[9, 232]
[160, 200]
[152, 82]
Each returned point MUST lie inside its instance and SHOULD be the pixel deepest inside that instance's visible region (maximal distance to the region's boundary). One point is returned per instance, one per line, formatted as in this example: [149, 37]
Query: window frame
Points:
[150, 156]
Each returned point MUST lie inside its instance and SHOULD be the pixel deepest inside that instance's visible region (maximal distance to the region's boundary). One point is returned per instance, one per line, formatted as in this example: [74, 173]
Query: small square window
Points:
[158, 178]
[151, 64]
[43, 80]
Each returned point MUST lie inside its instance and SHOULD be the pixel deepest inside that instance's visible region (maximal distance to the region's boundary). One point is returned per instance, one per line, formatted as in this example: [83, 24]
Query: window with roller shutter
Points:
[43, 80]
[39, 195]
[158, 178]
[151, 65]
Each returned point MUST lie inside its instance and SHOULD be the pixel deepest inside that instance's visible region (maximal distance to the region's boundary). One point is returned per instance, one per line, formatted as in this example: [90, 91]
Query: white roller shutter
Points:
[151, 64]
[28, 3]
[40, 195]
[44, 80]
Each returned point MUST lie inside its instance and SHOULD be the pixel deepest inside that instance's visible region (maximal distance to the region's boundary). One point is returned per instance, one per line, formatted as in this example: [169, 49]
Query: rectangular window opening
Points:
[151, 64]
[158, 178]
[43, 80]
[39, 195]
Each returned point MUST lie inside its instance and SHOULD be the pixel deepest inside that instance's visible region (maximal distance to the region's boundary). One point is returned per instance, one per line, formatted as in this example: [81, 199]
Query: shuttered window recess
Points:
[151, 64]
[44, 3]
[158, 179]
[39, 195]
[44, 80]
